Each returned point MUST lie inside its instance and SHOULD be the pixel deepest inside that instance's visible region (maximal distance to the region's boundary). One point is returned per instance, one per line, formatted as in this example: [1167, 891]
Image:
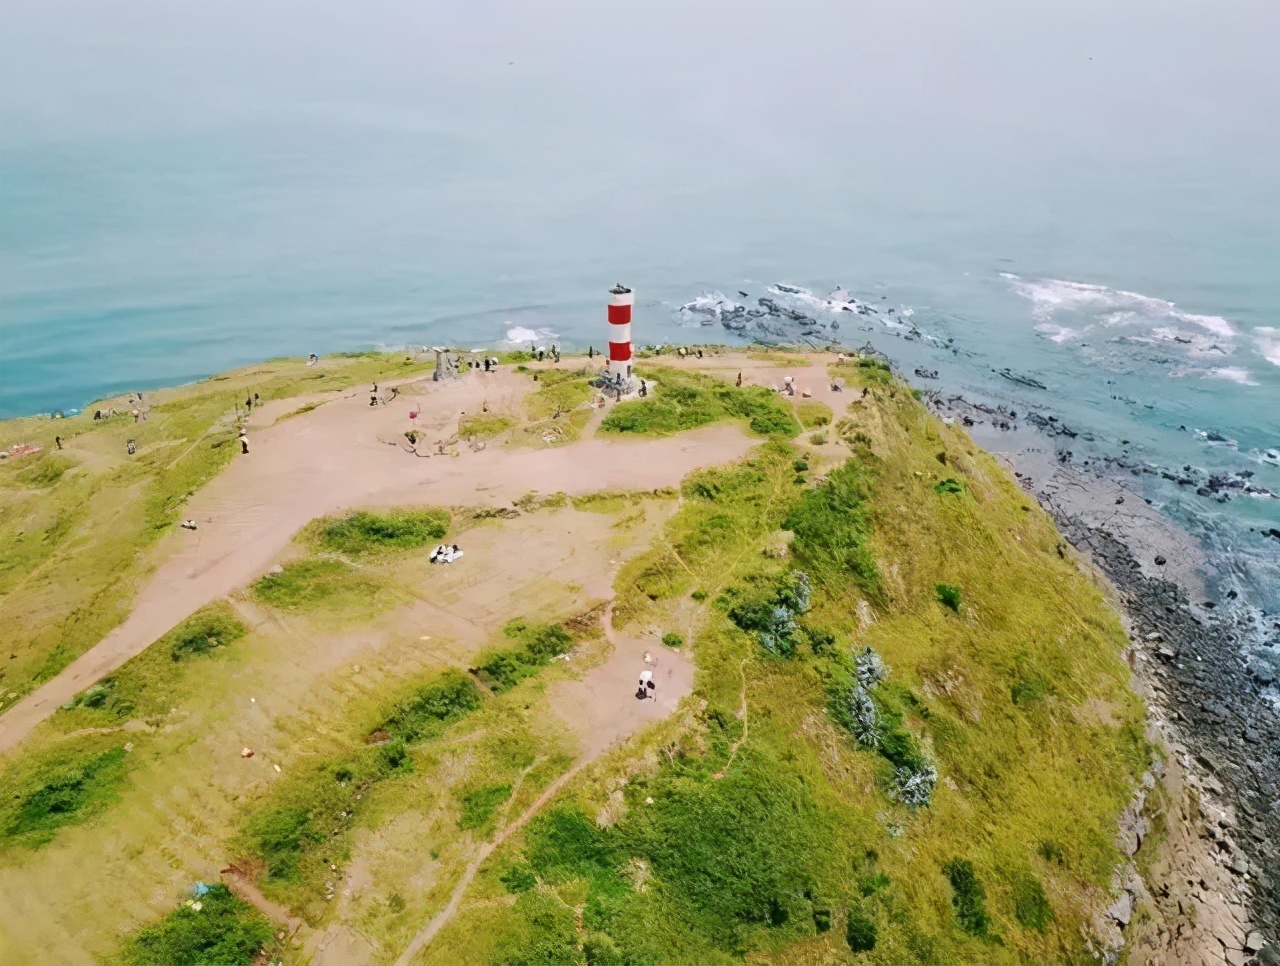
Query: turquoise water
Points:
[1081, 194]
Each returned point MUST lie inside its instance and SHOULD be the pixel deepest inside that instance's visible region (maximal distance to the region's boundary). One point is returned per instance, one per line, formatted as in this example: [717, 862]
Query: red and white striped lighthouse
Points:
[621, 299]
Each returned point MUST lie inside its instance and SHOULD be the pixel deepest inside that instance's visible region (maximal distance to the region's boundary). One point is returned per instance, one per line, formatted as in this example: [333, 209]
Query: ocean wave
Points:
[1053, 297]
[519, 335]
[1268, 342]
[1056, 333]
[1236, 374]
[709, 305]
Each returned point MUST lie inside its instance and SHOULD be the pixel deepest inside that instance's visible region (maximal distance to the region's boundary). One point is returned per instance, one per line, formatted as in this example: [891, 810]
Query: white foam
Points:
[1268, 341]
[712, 304]
[1056, 333]
[1109, 306]
[518, 335]
[1234, 374]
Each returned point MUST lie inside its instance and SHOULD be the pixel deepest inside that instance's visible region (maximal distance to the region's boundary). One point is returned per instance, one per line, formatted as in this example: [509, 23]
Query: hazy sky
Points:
[1173, 74]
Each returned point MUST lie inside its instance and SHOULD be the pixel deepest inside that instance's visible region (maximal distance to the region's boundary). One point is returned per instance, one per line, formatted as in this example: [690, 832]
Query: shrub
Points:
[444, 700]
[949, 596]
[871, 669]
[864, 718]
[800, 465]
[672, 639]
[818, 439]
[967, 897]
[365, 532]
[831, 526]
[203, 631]
[916, 784]
[1030, 907]
[860, 931]
[948, 485]
[225, 930]
[769, 610]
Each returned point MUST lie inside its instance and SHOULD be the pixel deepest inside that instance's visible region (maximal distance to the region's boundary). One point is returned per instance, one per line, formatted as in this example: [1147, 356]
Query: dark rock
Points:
[1160, 561]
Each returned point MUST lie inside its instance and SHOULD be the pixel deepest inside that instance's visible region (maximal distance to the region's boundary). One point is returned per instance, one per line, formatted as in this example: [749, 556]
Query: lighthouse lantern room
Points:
[621, 299]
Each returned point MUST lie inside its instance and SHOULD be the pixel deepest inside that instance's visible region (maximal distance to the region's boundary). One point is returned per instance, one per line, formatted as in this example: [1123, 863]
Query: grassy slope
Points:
[1019, 698]
[73, 524]
[801, 850]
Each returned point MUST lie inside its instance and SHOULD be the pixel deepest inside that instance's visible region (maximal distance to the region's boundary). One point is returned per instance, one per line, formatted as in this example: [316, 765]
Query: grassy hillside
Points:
[69, 553]
[871, 769]
[910, 736]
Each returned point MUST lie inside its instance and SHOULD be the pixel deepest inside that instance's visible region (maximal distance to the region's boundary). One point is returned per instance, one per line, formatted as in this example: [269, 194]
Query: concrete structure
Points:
[621, 299]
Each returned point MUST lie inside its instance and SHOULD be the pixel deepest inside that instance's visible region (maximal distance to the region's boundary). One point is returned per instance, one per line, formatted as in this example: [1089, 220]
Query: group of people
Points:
[445, 554]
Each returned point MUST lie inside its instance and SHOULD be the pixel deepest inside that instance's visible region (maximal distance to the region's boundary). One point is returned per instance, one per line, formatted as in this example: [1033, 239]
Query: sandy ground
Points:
[341, 455]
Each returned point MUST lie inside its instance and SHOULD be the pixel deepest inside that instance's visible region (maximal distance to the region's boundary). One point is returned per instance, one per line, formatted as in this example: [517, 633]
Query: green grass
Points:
[813, 414]
[311, 581]
[684, 399]
[559, 392]
[737, 843]
[968, 897]
[213, 627]
[365, 532]
[504, 668]
[66, 786]
[832, 524]
[480, 804]
[484, 425]
[225, 930]
[427, 711]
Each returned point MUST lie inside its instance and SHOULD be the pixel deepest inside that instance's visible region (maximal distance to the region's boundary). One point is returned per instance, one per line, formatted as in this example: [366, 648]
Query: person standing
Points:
[58, 441]
[244, 443]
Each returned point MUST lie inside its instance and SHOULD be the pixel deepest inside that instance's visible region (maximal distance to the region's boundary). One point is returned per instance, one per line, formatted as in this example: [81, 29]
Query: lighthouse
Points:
[621, 299]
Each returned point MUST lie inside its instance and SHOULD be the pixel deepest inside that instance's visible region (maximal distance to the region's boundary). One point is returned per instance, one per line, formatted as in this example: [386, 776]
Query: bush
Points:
[949, 596]
[948, 485]
[672, 639]
[818, 439]
[831, 525]
[967, 897]
[203, 631]
[860, 931]
[433, 707]
[1030, 907]
[364, 532]
[225, 930]
[768, 609]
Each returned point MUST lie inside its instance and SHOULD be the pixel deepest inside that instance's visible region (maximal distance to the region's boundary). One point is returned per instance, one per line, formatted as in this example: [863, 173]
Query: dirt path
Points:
[330, 459]
[602, 710]
[733, 751]
[246, 890]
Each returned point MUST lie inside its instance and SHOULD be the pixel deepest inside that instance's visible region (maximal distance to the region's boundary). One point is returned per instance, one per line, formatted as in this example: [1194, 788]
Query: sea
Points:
[1085, 196]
